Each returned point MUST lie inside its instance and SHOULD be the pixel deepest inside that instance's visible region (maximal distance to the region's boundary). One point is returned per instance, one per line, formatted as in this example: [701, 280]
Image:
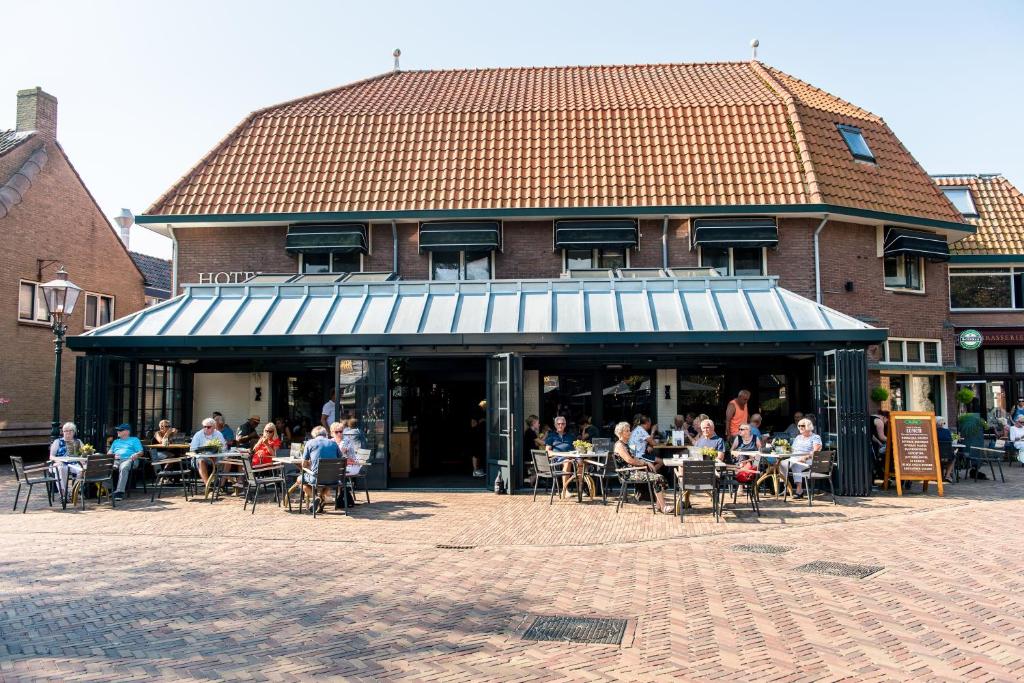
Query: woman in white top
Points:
[1017, 437]
[67, 444]
[804, 446]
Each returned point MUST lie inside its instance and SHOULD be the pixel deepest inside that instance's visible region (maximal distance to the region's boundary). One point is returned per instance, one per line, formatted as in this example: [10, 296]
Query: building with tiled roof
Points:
[986, 285]
[48, 218]
[157, 274]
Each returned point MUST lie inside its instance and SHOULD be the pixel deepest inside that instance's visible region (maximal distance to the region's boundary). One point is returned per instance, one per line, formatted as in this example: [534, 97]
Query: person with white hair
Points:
[803, 448]
[1017, 437]
[204, 436]
[66, 444]
[647, 475]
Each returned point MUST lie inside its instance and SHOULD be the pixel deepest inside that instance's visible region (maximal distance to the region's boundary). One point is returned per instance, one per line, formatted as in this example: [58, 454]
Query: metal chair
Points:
[26, 477]
[363, 456]
[947, 456]
[636, 477]
[543, 468]
[220, 473]
[168, 469]
[265, 476]
[821, 466]
[698, 475]
[991, 456]
[604, 470]
[99, 470]
[330, 472]
[601, 444]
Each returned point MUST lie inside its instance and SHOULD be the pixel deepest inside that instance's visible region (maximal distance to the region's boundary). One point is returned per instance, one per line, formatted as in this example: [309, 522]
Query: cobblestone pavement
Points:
[428, 586]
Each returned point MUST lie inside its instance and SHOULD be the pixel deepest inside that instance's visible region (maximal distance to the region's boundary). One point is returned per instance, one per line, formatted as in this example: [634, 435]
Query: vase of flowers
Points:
[582, 446]
[781, 446]
[87, 449]
[212, 446]
[708, 453]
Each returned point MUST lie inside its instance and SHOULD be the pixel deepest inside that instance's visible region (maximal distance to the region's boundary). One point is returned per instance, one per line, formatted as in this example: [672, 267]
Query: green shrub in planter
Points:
[879, 394]
[971, 428]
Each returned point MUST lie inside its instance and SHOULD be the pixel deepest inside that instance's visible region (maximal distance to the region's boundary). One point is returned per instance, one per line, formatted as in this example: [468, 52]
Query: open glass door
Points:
[362, 393]
[504, 415]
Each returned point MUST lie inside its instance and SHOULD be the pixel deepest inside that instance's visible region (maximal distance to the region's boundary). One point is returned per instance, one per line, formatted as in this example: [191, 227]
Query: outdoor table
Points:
[679, 465]
[580, 461]
[217, 459]
[772, 462]
[66, 460]
[350, 471]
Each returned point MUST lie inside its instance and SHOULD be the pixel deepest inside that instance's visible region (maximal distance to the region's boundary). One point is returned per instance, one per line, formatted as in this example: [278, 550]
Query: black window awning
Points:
[472, 236]
[735, 232]
[915, 243]
[345, 238]
[595, 234]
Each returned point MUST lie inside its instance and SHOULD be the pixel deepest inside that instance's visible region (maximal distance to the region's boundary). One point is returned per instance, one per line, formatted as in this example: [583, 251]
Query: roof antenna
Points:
[753, 49]
[396, 54]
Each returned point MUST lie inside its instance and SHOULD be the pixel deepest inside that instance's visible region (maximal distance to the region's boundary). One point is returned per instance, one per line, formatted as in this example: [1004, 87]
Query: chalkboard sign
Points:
[913, 450]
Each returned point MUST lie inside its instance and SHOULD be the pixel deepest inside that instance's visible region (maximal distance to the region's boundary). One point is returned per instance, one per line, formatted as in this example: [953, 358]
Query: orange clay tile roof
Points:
[557, 137]
[1000, 220]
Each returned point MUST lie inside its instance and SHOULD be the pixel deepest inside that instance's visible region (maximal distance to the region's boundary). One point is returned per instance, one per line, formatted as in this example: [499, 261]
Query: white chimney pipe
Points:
[124, 220]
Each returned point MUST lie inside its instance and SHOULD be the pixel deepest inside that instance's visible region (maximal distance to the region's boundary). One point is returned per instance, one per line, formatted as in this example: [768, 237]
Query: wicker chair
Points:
[30, 476]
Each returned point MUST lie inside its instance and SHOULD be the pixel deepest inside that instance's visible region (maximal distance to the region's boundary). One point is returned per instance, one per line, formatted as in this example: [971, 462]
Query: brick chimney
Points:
[37, 110]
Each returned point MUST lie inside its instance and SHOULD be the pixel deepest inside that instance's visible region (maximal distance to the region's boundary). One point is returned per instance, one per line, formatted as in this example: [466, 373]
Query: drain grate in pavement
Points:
[577, 630]
[441, 546]
[763, 548]
[859, 571]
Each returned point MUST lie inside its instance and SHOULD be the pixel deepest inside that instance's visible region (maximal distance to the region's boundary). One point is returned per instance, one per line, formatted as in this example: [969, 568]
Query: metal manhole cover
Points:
[577, 630]
[455, 547]
[763, 548]
[859, 571]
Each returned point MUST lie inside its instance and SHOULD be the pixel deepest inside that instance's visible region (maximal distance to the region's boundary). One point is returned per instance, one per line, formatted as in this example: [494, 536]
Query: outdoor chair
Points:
[98, 470]
[603, 471]
[362, 459]
[221, 475]
[543, 468]
[30, 476]
[262, 477]
[330, 472]
[635, 477]
[167, 470]
[601, 444]
[751, 489]
[993, 457]
[822, 464]
[947, 455]
[697, 475]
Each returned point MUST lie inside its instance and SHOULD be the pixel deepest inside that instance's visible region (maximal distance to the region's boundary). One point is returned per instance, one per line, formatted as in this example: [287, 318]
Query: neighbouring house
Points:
[450, 251]
[157, 274]
[986, 291]
[48, 218]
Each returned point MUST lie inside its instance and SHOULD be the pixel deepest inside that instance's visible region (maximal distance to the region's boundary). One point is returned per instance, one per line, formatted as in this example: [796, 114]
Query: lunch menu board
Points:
[913, 450]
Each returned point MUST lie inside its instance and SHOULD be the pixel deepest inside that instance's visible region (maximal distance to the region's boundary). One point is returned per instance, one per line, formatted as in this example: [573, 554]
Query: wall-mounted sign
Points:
[229, 277]
[913, 450]
[970, 339]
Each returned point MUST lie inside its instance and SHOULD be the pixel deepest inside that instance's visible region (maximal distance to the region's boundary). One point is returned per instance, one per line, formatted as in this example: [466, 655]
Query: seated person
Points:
[803, 448]
[1016, 437]
[755, 429]
[66, 444]
[283, 432]
[227, 433]
[944, 435]
[127, 450]
[744, 444]
[249, 433]
[351, 439]
[793, 430]
[641, 440]
[205, 435]
[587, 429]
[316, 449]
[708, 439]
[266, 447]
[622, 449]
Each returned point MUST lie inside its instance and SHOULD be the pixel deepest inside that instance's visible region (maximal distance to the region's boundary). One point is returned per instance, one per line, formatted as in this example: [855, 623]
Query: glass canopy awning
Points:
[410, 313]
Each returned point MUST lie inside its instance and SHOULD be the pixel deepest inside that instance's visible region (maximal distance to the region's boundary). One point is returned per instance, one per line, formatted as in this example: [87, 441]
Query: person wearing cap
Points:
[205, 435]
[249, 432]
[127, 450]
[1017, 437]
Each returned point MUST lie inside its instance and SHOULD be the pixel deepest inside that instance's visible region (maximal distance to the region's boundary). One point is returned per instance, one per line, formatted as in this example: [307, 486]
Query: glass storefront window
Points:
[926, 393]
[967, 359]
[997, 360]
[897, 392]
[1018, 363]
[625, 395]
[995, 400]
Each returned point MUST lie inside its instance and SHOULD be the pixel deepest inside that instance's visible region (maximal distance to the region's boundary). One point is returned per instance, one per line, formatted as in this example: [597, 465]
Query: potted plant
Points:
[708, 453]
[87, 449]
[971, 428]
[781, 446]
[212, 446]
[582, 446]
[879, 395]
[964, 397]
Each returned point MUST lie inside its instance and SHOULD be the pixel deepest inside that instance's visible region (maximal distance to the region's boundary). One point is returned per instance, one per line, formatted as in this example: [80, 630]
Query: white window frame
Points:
[462, 266]
[732, 261]
[910, 399]
[904, 341]
[38, 307]
[970, 198]
[901, 271]
[330, 265]
[1010, 271]
[593, 257]
[85, 308]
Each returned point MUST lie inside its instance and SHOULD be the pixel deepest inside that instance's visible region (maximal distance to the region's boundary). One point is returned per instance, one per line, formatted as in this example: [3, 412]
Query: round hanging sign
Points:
[970, 339]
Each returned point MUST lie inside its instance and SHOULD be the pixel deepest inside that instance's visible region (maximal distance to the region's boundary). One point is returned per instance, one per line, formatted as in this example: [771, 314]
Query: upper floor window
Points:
[740, 261]
[576, 259]
[31, 304]
[331, 262]
[461, 265]
[855, 141]
[994, 288]
[912, 352]
[904, 272]
[99, 310]
[962, 199]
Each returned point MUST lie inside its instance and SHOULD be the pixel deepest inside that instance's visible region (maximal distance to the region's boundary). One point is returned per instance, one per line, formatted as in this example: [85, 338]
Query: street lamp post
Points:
[60, 295]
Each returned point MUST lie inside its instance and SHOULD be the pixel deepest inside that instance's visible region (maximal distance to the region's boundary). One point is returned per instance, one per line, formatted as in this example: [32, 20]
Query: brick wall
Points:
[232, 249]
[527, 251]
[56, 220]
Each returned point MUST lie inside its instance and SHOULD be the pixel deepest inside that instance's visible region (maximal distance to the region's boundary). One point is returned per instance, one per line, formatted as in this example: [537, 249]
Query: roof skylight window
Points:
[961, 199]
[855, 141]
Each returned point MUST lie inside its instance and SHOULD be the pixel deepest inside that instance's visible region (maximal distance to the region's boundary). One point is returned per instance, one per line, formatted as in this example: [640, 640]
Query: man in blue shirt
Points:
[318, 448]
[222, 427]
[127, 450]
[559, 441]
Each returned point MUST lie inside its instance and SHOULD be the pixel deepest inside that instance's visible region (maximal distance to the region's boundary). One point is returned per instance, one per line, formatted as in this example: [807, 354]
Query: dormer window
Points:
[855, 141]
[961, 198]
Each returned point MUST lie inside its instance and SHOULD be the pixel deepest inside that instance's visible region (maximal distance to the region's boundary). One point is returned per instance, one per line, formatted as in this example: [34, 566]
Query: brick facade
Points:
[56, 219]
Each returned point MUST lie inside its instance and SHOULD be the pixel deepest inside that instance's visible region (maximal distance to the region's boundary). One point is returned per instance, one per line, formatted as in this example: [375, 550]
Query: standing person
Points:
[66, 444]
[803, 447]
[248, 432]
[226, 432]
[127, 450]
[641, 440]
[879, 438]
[329, 411]
[737, 413]
[478, 439]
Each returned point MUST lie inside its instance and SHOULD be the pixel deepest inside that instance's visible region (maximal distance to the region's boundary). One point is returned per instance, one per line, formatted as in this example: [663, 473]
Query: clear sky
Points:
[147, 88]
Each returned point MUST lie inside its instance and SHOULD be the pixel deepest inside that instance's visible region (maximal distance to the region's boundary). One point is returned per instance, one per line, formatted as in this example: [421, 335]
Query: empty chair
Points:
[262, 477]
[30, 476]
[544, 469]
[98, 470]
[167, 470]
[363, 456]
[601, 444]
